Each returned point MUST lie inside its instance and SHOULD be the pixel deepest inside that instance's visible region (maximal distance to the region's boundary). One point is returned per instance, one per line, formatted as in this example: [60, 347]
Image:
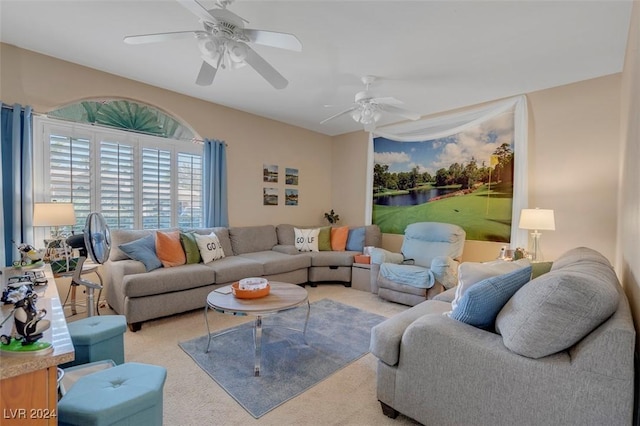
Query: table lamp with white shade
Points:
[54, 215]
[537, 220]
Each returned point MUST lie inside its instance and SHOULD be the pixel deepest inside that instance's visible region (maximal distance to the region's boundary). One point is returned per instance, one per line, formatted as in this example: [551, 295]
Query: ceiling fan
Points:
[223, 43]
[368, 107]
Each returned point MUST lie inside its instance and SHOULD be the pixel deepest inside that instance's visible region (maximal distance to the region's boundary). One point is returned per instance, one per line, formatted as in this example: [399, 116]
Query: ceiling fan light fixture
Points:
[237, 53]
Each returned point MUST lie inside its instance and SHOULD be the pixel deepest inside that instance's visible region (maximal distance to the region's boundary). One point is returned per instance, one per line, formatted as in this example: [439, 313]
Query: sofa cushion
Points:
[480, 305]
[143, 250]
[306, 239]
[167, 280]
[278, 263]
[210, 248]
[556, 310]
[324, 239]
[339, 238]
[234, 268]
[169, 249]
[249, 239]
[470, 273]
[355, 239]
[190, 246]
[332, 258]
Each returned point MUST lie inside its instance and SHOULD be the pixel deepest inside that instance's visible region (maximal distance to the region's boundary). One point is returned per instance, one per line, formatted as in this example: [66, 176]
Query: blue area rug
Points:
[337, 335]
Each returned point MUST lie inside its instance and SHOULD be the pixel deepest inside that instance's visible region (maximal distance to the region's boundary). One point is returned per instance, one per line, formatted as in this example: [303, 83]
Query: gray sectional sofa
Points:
[252, 251]
[562, 353]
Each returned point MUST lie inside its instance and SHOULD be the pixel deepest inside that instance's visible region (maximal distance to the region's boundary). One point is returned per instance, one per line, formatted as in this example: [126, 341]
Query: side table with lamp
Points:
[537, 220]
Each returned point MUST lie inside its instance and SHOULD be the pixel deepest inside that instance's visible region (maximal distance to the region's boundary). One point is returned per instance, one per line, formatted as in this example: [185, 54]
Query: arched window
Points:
[138, 166]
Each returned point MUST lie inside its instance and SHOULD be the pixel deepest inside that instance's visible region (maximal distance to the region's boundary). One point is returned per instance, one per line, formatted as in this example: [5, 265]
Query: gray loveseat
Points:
[251, 251]
[562, 355]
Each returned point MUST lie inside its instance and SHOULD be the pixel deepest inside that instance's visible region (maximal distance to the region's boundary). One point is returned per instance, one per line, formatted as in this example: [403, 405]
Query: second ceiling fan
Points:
[368, 107]
[223, 43]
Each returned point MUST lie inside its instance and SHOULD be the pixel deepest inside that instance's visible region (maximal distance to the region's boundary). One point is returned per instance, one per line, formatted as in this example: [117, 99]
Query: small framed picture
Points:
[270, 196]
[270, 173]
[290, 197]
[291, 176]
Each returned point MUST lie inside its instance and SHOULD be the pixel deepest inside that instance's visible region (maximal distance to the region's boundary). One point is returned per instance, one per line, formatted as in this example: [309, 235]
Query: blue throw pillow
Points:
[355, 241]
[482, 302]
[143, 250]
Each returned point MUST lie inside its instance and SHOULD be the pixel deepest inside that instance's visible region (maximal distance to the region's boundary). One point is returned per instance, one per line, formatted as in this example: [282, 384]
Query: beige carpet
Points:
[191, 397]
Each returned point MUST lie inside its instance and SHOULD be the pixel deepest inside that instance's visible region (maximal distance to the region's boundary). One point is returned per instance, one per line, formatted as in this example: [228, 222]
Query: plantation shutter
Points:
[156, 188]
[69, 174]
[117, 178]
[190, 190]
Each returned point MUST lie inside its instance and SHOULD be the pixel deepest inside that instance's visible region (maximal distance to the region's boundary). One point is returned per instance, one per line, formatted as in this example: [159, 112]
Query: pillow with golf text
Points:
[210, 247]
[306, 239]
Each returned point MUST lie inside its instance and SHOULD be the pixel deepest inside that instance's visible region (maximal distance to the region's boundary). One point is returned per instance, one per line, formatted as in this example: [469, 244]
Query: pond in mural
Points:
[465, 179]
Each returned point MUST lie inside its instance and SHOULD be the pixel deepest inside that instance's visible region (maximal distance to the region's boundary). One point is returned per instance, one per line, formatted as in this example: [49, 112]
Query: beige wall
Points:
[629, 228]
[46, 83]
[573, 168]
[574, 150]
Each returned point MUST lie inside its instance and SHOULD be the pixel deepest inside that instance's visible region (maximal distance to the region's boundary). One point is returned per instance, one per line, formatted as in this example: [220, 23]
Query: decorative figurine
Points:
[29, 322]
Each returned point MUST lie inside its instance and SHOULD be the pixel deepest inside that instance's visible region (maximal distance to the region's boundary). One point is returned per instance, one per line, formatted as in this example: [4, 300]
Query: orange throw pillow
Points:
[339, 238]
[169, 249]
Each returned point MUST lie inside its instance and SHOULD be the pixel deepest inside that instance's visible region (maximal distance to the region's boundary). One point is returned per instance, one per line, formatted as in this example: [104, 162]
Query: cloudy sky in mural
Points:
[478, 142]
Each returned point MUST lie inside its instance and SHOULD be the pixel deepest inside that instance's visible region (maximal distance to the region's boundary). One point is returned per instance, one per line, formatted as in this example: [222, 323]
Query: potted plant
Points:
[332, 217]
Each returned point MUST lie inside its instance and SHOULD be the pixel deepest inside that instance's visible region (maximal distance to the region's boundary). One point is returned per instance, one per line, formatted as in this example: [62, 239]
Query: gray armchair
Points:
[428, 264]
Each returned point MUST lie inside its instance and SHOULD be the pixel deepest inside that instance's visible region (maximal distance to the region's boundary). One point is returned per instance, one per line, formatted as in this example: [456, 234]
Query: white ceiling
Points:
[433, 55]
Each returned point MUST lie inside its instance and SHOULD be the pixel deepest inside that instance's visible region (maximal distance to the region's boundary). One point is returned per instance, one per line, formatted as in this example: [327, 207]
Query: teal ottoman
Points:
[98, 338]
[128, 394]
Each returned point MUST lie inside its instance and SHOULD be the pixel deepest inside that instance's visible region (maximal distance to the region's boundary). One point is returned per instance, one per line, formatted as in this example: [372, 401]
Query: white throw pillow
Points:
[470, 273]
[210, 247]
[307, 239]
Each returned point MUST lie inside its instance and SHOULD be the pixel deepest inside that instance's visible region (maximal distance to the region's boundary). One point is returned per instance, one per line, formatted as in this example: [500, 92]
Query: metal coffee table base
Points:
[257, 333]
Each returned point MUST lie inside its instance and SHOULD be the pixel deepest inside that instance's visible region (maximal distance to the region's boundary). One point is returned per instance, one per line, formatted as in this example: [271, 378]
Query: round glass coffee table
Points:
[282, 297]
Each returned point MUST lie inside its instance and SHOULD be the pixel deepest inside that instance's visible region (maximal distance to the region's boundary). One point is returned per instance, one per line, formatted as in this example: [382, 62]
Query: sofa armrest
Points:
[447, 295]
[386, 336]
[286, 249]
[445, 271]
[381, 256]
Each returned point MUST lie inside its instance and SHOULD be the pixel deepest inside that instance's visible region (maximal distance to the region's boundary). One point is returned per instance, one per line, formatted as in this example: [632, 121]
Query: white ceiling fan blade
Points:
[274, 39]
[159, 37]
[346, 111]
[399, 111]
[207, 74]
[265, 69]
[388, 100]
[197, 9]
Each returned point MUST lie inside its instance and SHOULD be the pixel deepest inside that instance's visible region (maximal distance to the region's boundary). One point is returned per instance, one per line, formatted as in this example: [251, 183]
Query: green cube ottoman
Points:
[127, 394]
[97, 338]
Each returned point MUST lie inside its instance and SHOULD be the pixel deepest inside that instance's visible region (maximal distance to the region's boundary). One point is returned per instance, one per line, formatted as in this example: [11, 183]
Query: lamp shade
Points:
[53, 214]
[537, 219]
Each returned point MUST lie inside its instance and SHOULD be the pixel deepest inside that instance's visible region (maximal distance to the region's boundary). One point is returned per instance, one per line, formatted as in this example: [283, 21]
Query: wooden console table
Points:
[28, 385]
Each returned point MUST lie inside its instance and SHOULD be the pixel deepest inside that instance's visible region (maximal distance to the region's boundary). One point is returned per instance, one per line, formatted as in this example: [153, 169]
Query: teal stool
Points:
[98, 338]
[127, 394]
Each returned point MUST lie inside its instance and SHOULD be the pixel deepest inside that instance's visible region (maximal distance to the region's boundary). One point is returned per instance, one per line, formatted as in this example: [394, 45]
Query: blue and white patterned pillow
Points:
[481, 303]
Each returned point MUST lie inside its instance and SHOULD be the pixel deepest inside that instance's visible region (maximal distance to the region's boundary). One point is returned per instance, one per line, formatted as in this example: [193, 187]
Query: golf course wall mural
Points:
[466, 178]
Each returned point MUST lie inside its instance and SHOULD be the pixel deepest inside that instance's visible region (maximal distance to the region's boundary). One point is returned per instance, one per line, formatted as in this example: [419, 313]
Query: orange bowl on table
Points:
[249, 294]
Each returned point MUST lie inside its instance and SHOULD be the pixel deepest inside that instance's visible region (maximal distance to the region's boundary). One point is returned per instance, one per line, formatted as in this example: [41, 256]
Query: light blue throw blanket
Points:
[415, 276]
